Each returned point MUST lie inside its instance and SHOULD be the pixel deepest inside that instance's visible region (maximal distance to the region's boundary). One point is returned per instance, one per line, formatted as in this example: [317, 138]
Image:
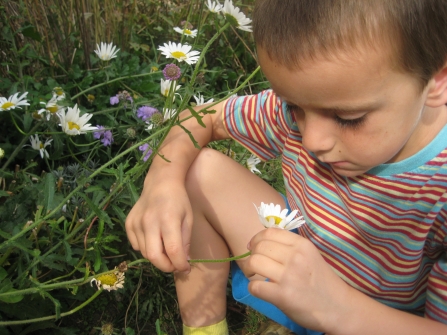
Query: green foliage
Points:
[62, 216]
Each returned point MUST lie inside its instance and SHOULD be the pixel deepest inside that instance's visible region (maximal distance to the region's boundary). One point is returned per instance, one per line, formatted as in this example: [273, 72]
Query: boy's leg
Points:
[222, 193]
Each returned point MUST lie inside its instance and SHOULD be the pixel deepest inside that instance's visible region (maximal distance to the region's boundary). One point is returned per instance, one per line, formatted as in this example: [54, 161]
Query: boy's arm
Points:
[306, 289]
[159, 224]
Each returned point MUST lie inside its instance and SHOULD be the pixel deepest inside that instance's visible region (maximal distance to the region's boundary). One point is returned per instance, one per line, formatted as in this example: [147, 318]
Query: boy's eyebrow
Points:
[370, 106]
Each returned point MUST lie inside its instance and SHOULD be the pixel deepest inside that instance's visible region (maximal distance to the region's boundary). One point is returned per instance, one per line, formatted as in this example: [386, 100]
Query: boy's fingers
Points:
[265, 266]
[264, 290]
[175, 248]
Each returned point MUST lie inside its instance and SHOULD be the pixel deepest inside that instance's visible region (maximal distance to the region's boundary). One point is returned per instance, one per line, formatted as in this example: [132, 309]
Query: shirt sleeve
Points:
[436, 303]
[260, 122]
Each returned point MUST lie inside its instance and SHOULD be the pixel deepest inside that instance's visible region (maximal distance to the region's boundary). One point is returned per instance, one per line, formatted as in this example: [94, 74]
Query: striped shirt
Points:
[383, 232]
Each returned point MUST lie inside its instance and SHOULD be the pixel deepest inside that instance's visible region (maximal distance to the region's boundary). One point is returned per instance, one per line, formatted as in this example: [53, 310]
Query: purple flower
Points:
[143, 149]
[172, 72]
[106, 136]
[146, 112]
[97, 134]
[114, 100]
[107, 140]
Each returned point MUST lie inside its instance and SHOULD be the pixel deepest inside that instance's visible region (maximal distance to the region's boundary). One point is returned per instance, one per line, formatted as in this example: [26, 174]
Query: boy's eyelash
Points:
[343, 123]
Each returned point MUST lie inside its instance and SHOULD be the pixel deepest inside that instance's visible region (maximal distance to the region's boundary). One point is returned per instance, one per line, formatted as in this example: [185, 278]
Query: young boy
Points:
[357, 111]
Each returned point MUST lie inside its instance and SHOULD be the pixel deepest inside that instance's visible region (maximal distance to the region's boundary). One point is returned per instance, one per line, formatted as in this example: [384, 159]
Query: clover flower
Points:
[172, 72]
[14, 101]
[146, 112]
[200, 100]
[235, 16]
[146, 151]
[106, 52]
[110, 281]
[186, 31]
[273, 216]
[180, 52]
[73, 123]
[165, 87]
[251, 163]
[104, 135]
[213, 6]
[36, 144]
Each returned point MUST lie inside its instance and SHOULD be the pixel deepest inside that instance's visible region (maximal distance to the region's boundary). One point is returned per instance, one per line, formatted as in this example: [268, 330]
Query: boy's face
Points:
[354, 111]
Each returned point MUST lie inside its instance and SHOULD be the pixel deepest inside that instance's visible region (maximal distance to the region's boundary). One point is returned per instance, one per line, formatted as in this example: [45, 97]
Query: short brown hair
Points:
[415, 30]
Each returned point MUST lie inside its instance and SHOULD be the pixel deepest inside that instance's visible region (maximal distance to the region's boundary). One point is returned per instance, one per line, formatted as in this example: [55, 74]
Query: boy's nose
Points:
[317, 132]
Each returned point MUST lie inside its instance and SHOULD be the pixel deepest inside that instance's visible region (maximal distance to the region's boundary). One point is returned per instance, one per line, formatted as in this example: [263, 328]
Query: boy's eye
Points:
[350, 123]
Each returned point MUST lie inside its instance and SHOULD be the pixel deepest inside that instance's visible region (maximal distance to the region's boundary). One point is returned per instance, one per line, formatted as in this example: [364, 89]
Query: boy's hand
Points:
[301, 283]
[159, 226]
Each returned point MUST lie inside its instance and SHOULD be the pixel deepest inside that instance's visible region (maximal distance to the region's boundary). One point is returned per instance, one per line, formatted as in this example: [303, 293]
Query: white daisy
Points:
[168, 113]
[272, 216]
[235, 16]
[106, 51]
[165, 87]
[37, 144]
[51, 107]
[186, 32]
[109, 281]
[58, 93]
[251, 163]
[200, 100]
[14, 101]
[213, 6]
[73, 123]
[180, 52]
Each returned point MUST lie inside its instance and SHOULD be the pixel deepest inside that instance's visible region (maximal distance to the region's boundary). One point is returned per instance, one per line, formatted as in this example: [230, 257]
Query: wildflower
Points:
[156, 119]
[172, 72]
[104, 135]
[146, 151]
[2, 153]
[251, 163]
[146, 112]
[106, 51]
[114, 100]
[73, 123]
[51, 107]
[180, 52]
[228, 152]
[110, 281]
[58, 93]
[36, 144]
[165, 87]
[90, 98]
[14, 101]
[131, 133]
[272, 216]
[200, 100]
[186, 32]
[168, 113]
[214, 6]
[235, 16]
[154, 68]
[107, 329]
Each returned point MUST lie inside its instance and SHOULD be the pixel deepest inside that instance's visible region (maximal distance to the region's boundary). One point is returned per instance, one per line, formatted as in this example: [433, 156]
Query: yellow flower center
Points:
[276, 218]
[52, 109]
[108, 279]
[178, 54]
[72, 125]
[166, 92]
[187, 31]
[7, 105]
[41, 145]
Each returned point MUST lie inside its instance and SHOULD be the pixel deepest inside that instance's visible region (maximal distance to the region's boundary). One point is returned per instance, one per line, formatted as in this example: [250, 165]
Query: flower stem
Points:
[222, 260]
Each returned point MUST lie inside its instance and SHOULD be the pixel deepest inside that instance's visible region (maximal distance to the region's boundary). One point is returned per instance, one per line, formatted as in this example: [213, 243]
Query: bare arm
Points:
[159, 224]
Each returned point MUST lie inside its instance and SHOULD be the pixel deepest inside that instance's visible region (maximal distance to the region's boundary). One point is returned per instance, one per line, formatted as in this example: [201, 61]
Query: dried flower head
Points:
[172, 72]
[109, 281]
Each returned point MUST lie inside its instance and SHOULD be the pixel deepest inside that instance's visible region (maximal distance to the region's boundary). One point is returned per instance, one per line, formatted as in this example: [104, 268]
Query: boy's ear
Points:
[437, 92]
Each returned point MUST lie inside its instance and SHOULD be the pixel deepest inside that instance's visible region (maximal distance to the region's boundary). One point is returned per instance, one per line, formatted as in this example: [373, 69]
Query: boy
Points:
[357, 111]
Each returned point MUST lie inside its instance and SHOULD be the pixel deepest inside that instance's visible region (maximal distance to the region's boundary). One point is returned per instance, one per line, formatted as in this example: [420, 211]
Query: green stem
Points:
[51, 317]
[112, 81]
[222, 260]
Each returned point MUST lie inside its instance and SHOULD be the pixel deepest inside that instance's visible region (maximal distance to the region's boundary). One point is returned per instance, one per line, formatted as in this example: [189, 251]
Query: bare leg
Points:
[222, 193]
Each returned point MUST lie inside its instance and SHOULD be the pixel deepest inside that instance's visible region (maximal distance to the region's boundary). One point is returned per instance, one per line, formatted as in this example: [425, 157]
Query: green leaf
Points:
[3, 274]
[99, 213]
[98, 261]
[48, 191]
[133, 192]
[191, 137]
[31, 32]
[197, 116]
[68, 252]
[12, 299]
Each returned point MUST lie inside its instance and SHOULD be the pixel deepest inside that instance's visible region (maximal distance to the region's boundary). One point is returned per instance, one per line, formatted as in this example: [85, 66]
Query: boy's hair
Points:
[413, 31]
